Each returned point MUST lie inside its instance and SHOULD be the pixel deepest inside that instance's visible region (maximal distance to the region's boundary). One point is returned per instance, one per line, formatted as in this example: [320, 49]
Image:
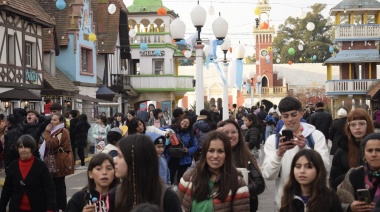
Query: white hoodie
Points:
[278, 168]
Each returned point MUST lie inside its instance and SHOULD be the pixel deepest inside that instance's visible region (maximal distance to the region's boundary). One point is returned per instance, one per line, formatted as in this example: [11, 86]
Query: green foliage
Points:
[293, 32]
[206, 106]
[250, 59]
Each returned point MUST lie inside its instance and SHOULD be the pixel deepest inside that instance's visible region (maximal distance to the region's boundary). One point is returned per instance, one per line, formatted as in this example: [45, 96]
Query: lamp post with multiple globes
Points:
[259, 79]
[225, 47]
[177, 30]
[250, 82]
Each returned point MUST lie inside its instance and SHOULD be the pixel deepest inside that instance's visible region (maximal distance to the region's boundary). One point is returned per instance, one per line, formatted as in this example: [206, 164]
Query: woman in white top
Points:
[100, 131]
[136, 125]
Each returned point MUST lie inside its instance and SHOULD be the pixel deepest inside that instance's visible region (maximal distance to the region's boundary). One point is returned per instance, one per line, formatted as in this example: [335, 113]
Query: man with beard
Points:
[33, 125]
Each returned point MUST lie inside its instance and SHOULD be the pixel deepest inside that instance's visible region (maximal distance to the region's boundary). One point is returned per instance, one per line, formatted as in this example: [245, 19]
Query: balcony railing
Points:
[151, 37]
[349, 86]
[269, 90]
[117, 83]
[357, 31]
[157, 83]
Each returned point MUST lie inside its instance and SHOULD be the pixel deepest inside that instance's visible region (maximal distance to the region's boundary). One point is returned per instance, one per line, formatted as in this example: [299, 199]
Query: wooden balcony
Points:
[117, 83]
[349, 87]
[347, 32]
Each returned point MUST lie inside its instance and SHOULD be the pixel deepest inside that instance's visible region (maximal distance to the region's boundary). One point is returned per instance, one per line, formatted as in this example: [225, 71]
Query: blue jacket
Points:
[185, 138]
[164, 170]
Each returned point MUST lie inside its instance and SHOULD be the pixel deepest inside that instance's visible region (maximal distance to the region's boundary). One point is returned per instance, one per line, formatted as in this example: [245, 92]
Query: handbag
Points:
[176, 151]
[64, 159]
[50, 162]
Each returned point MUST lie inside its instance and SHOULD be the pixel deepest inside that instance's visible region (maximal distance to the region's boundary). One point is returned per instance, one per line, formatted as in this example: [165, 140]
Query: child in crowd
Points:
[101, 179]
[306, 189]
[159, 143]
[113, 136]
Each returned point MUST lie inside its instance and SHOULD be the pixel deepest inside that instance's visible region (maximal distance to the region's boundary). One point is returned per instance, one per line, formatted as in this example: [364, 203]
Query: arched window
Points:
[212, 101]
[219, 103]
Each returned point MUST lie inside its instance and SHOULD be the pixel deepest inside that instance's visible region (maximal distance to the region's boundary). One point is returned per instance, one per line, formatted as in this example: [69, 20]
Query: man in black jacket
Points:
[13, 132]
[32, 124]
[321, 120]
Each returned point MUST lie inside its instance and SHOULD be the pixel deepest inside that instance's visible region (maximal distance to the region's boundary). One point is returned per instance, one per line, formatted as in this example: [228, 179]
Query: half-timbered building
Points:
[21, 52]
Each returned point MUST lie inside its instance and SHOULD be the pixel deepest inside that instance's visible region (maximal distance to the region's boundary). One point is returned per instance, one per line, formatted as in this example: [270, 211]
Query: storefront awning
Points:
[90, 99]
[20, 94]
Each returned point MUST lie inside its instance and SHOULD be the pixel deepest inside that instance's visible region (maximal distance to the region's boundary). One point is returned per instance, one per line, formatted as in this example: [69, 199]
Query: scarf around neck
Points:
[372, 181]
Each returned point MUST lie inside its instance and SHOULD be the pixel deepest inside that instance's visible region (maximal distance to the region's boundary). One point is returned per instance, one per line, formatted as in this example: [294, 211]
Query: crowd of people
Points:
[146, 160]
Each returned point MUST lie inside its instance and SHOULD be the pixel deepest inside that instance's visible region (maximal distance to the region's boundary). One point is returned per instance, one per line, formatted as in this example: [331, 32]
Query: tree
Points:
[294, 32]
[250, 59]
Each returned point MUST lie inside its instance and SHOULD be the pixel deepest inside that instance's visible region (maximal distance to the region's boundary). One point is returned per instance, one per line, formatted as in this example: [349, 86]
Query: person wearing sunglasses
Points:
[359, 125]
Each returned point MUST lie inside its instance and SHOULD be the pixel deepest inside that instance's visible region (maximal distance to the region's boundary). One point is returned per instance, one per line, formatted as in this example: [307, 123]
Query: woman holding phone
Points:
[360, 189]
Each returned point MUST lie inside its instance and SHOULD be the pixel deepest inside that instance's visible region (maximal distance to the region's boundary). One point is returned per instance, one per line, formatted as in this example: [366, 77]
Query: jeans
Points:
[268, 131]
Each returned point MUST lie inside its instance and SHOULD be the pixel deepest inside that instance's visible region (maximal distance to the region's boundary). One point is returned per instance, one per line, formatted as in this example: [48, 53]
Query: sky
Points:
[240, 16]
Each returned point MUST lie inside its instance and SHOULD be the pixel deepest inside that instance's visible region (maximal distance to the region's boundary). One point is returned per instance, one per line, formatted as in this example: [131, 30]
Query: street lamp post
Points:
[198, 18]
[259, 79]
[225, 47]
[252, 75]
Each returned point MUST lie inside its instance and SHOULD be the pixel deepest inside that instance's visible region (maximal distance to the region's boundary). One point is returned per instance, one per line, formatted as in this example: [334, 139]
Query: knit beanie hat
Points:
[342, 113]
[156, 138]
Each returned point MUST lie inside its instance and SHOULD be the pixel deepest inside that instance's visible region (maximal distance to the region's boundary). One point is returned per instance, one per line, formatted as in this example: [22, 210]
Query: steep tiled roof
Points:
[30, 9]
[374, 90]
[59, 82]
[62, 18]
[108, 25]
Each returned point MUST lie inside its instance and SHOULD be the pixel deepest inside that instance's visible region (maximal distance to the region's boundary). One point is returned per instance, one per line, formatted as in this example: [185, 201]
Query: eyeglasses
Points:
[360, 123]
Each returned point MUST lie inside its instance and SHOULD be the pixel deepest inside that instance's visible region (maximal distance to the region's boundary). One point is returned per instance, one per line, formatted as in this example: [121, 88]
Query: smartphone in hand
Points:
[364, 196]
[288, 135]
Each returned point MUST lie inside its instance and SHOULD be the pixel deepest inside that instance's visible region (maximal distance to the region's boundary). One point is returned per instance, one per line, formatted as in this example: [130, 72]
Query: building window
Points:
[86, 61]
[158, 67]
[11, 49]
[28, 54]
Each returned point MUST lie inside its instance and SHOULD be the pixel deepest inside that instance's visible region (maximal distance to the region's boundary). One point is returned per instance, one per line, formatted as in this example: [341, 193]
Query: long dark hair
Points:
[97, 160]
[353, 149]
[208, 119]
[133, 124]
[228, 178]
[242, 156]
[142, 183]
[156, 112]
[177, 126]
[320, 194]
[255, 121]
[82, 118]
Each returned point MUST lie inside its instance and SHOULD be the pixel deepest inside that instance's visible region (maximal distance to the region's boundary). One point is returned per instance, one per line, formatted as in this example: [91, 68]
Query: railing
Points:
[152, 37]
[350, 86]
[269, 90]
[162, 82]
[357, 31]
[117, 83]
